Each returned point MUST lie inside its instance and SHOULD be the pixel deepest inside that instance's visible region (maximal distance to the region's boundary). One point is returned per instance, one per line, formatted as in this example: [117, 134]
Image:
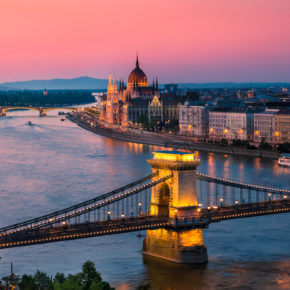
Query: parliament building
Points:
[123, 104]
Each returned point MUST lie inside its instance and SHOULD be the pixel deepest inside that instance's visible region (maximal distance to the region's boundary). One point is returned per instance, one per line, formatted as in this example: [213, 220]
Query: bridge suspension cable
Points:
[233, 183]
[79, 208]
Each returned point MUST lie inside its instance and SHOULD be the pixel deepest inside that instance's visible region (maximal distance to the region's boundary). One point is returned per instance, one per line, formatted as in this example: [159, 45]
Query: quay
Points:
[164, 140]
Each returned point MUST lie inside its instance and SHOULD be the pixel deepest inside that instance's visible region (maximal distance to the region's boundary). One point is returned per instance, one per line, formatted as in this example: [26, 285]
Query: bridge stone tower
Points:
[177, 198]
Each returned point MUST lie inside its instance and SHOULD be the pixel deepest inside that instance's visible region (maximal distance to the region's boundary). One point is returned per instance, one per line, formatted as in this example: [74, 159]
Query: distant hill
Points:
[80, 83]
[231, 85]
[88, 83]
[2, 88]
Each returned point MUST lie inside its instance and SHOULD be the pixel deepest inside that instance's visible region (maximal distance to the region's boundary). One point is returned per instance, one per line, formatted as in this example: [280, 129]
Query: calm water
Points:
[55, 164]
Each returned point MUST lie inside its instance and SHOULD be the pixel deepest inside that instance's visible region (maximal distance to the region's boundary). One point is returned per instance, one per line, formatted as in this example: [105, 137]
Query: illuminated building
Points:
[122, 106]
[193, 119]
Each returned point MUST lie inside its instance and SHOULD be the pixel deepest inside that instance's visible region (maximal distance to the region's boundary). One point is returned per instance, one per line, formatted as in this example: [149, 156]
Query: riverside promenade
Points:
[164, 140]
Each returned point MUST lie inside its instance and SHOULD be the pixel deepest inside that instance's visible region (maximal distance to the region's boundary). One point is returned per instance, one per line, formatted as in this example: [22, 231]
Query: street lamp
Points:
[109, 215]
[221, 200]
[175, 217]
[140, 208]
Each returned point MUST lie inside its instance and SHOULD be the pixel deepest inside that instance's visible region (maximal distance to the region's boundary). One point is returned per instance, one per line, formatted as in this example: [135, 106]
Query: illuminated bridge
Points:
[42, 110]
[173, 204]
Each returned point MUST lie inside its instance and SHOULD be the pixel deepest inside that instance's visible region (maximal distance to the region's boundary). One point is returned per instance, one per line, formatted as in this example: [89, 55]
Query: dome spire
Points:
[137, 61]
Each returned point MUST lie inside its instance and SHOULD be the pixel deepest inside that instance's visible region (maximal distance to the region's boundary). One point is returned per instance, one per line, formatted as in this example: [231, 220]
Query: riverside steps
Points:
[175, 198]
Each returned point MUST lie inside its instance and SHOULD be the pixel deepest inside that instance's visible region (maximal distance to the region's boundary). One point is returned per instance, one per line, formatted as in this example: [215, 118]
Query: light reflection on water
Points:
[54, 164]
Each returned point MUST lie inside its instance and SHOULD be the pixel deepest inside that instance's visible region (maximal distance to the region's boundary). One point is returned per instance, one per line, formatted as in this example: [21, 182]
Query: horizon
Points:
[193, 42]
[162, 83]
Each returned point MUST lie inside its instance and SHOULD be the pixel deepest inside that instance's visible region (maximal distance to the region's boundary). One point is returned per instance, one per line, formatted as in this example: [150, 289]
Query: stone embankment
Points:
[164, 140]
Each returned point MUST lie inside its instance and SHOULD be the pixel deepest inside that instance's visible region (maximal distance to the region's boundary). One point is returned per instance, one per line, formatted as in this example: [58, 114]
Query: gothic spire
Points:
[156, 84]
[110, 83]
[137, 61]
[115, 88]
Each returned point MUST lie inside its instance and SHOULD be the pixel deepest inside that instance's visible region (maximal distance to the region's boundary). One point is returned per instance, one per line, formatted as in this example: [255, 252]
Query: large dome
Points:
[137, 77]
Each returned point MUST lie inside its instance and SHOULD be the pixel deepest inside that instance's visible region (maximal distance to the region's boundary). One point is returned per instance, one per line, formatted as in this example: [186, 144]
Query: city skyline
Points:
[196, 41]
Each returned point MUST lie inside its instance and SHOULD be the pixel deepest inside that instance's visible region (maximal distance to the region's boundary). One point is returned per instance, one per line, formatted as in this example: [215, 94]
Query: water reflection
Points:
[55, 164]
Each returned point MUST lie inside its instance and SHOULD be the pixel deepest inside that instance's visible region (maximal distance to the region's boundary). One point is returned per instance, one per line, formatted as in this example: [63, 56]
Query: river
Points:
[54, 164]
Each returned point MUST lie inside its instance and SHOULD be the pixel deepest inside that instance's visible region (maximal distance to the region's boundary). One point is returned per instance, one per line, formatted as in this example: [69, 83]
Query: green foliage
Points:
[88, 279]
[102, 285]
[53, 98]
[143, 119]
[42, 280]
[27, 283]
[89, 274]
[60, 277]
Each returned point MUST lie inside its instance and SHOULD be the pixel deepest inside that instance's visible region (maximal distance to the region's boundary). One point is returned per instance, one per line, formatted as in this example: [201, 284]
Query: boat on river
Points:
[284, 160]
[29, 123]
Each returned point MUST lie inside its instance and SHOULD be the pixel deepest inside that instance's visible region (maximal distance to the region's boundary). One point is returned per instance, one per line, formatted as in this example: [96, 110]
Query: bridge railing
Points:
[129, 200]
[214, 191]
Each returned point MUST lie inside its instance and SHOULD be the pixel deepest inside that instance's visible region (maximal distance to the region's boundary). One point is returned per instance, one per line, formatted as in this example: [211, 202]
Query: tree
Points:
[42, 280]
[102, 285]
[27, 283]
[60, 277]
[69, 284]
[89, 274]
[143, 119]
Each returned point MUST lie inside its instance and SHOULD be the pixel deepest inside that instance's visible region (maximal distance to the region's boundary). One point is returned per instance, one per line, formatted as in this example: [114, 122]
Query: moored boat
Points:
[284, 160]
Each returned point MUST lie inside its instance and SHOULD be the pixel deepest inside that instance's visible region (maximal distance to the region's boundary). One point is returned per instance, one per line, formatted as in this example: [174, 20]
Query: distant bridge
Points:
[156, 201]
[42, 110]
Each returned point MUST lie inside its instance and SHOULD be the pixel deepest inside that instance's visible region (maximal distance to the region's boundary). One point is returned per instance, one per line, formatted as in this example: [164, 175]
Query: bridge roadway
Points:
[65, 231]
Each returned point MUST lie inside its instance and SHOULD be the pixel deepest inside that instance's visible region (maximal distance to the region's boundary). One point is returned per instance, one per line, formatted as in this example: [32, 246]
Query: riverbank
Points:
[164, 140]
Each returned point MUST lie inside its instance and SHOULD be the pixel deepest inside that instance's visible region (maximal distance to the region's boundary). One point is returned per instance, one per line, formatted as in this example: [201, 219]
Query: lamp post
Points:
[109, 215]
[221, 200]
[175, 216]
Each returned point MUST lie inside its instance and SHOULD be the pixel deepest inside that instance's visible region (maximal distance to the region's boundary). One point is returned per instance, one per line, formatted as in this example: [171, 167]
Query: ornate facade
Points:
[122, 106]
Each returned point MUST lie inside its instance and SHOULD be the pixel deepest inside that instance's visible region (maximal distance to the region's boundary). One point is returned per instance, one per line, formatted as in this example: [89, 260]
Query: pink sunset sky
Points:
[177, 40]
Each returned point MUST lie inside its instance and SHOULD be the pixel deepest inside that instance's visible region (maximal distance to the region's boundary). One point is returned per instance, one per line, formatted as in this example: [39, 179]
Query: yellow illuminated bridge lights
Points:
[176, 156]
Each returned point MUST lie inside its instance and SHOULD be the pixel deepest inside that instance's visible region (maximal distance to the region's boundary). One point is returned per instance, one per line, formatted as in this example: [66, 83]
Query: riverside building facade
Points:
[123, 106]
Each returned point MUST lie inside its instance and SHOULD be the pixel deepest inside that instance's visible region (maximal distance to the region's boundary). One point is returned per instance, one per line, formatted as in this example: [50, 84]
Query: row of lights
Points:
[245, 184]
[250, 213]
[82, 235]
[87, 208]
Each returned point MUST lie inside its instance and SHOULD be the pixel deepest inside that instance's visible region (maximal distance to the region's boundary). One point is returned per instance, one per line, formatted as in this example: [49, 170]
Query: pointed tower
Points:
[156, 84]
[109, 107]
[109, 89]
[137, 61]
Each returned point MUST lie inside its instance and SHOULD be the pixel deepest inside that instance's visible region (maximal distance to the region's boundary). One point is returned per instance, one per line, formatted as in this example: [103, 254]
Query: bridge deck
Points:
[92, 229]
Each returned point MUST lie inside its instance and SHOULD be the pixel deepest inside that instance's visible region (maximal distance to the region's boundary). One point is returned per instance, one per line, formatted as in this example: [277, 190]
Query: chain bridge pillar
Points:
[176, 198]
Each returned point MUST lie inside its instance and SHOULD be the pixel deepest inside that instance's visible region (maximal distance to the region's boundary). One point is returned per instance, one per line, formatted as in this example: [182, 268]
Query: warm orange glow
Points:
[226, 131]
[189, 127]
[241, 131]
[257, 132]
[277, 134]
[191, 238]
[211, 129]
[174, 157]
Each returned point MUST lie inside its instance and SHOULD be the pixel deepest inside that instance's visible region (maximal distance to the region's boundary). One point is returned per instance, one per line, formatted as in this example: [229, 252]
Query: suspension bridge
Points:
[42, 110]
[173, 203]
